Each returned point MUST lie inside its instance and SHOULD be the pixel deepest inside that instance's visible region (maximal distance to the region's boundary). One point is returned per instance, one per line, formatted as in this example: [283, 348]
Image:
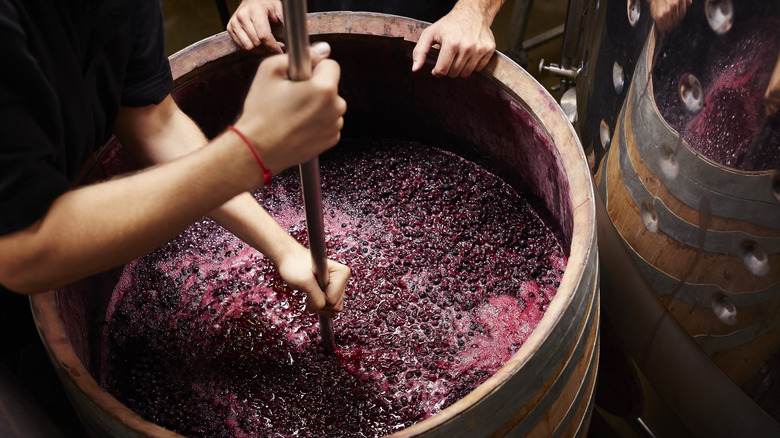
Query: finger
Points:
[458, 67]
[471, 65]
[444, 63]
[341, 108]
[483, 62]
[334, 298]
[421, 50]
[315, 301]
[318, 51]
[326, 73]
[278, 13]
[265, 37]
[334, 292]
[245, 26]
[240, 37]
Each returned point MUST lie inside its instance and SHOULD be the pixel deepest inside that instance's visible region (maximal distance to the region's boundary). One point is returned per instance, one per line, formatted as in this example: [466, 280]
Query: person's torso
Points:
[425, 10]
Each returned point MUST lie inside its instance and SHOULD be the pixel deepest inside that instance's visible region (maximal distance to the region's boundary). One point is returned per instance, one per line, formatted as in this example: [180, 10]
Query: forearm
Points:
[96, 227]
[488, 9]
[100, 226]
[248, 221]
[177, 135]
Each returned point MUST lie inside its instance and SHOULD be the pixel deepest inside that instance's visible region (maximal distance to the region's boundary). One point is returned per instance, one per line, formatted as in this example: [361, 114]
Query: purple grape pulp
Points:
[734, 70]
[451, 271]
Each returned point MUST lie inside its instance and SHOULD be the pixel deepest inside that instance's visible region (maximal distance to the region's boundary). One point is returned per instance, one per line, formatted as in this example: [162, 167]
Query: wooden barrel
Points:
[502, 119]
[706, 238]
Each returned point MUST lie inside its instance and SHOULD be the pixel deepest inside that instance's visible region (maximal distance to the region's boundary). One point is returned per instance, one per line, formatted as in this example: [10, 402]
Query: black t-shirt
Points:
[68, 66]
[425, 10]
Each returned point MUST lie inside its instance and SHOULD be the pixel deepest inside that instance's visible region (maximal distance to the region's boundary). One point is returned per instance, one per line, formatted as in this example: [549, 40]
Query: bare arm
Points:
[161, 133]
[96, 227]
[465, 37]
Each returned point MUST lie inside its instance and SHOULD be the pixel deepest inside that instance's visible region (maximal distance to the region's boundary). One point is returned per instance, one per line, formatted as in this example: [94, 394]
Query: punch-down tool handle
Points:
[297, 41]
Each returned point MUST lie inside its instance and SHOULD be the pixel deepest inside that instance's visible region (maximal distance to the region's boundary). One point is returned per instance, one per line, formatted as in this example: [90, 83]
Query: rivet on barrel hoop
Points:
[720, 15]
[724, 308]
[754, 258]
[634, 10]
[604, 134]
[649, 216]
[668, 163]
[776, 186]
[618, 80]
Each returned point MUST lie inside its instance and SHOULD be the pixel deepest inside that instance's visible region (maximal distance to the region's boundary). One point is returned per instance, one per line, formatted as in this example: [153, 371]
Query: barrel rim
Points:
[60, 349]
[503, 72]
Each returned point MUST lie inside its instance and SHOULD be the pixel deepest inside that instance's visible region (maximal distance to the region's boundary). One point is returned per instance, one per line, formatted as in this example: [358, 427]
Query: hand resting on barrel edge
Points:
[464, 35]
[257, 25]
[92, 228]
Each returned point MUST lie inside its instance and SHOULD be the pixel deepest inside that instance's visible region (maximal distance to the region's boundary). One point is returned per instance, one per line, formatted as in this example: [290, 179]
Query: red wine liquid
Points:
[451, 271]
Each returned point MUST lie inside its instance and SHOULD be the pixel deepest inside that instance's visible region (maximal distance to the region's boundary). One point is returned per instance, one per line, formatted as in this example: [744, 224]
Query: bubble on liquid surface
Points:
[451, 271]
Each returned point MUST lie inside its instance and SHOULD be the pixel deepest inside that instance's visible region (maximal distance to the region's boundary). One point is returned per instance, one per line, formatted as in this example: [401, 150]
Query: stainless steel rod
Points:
[297, 41]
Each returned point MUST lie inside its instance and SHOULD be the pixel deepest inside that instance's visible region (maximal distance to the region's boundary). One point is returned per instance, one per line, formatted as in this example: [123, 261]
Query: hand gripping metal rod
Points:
[297, 41]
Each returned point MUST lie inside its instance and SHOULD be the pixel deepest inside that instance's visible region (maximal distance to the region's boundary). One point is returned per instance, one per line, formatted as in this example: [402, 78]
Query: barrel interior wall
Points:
[471, 117]
[214, 98]
[82, 306]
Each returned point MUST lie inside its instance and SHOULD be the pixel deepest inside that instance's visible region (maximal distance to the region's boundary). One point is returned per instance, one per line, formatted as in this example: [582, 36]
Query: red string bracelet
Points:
[266, 174]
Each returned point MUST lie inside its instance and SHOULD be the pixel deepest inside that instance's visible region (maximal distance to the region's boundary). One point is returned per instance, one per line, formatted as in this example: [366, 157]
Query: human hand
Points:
[295, 267]
[291, 122]
[466, 41]
[772, 95]
[256, 24]
[667, 14]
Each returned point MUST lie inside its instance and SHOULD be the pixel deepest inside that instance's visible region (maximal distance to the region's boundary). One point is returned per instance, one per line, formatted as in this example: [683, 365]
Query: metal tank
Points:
[501, 118]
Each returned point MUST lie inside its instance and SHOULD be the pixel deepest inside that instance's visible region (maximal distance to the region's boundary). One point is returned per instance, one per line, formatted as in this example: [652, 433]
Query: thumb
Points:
[318, 51]
[315, 297]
